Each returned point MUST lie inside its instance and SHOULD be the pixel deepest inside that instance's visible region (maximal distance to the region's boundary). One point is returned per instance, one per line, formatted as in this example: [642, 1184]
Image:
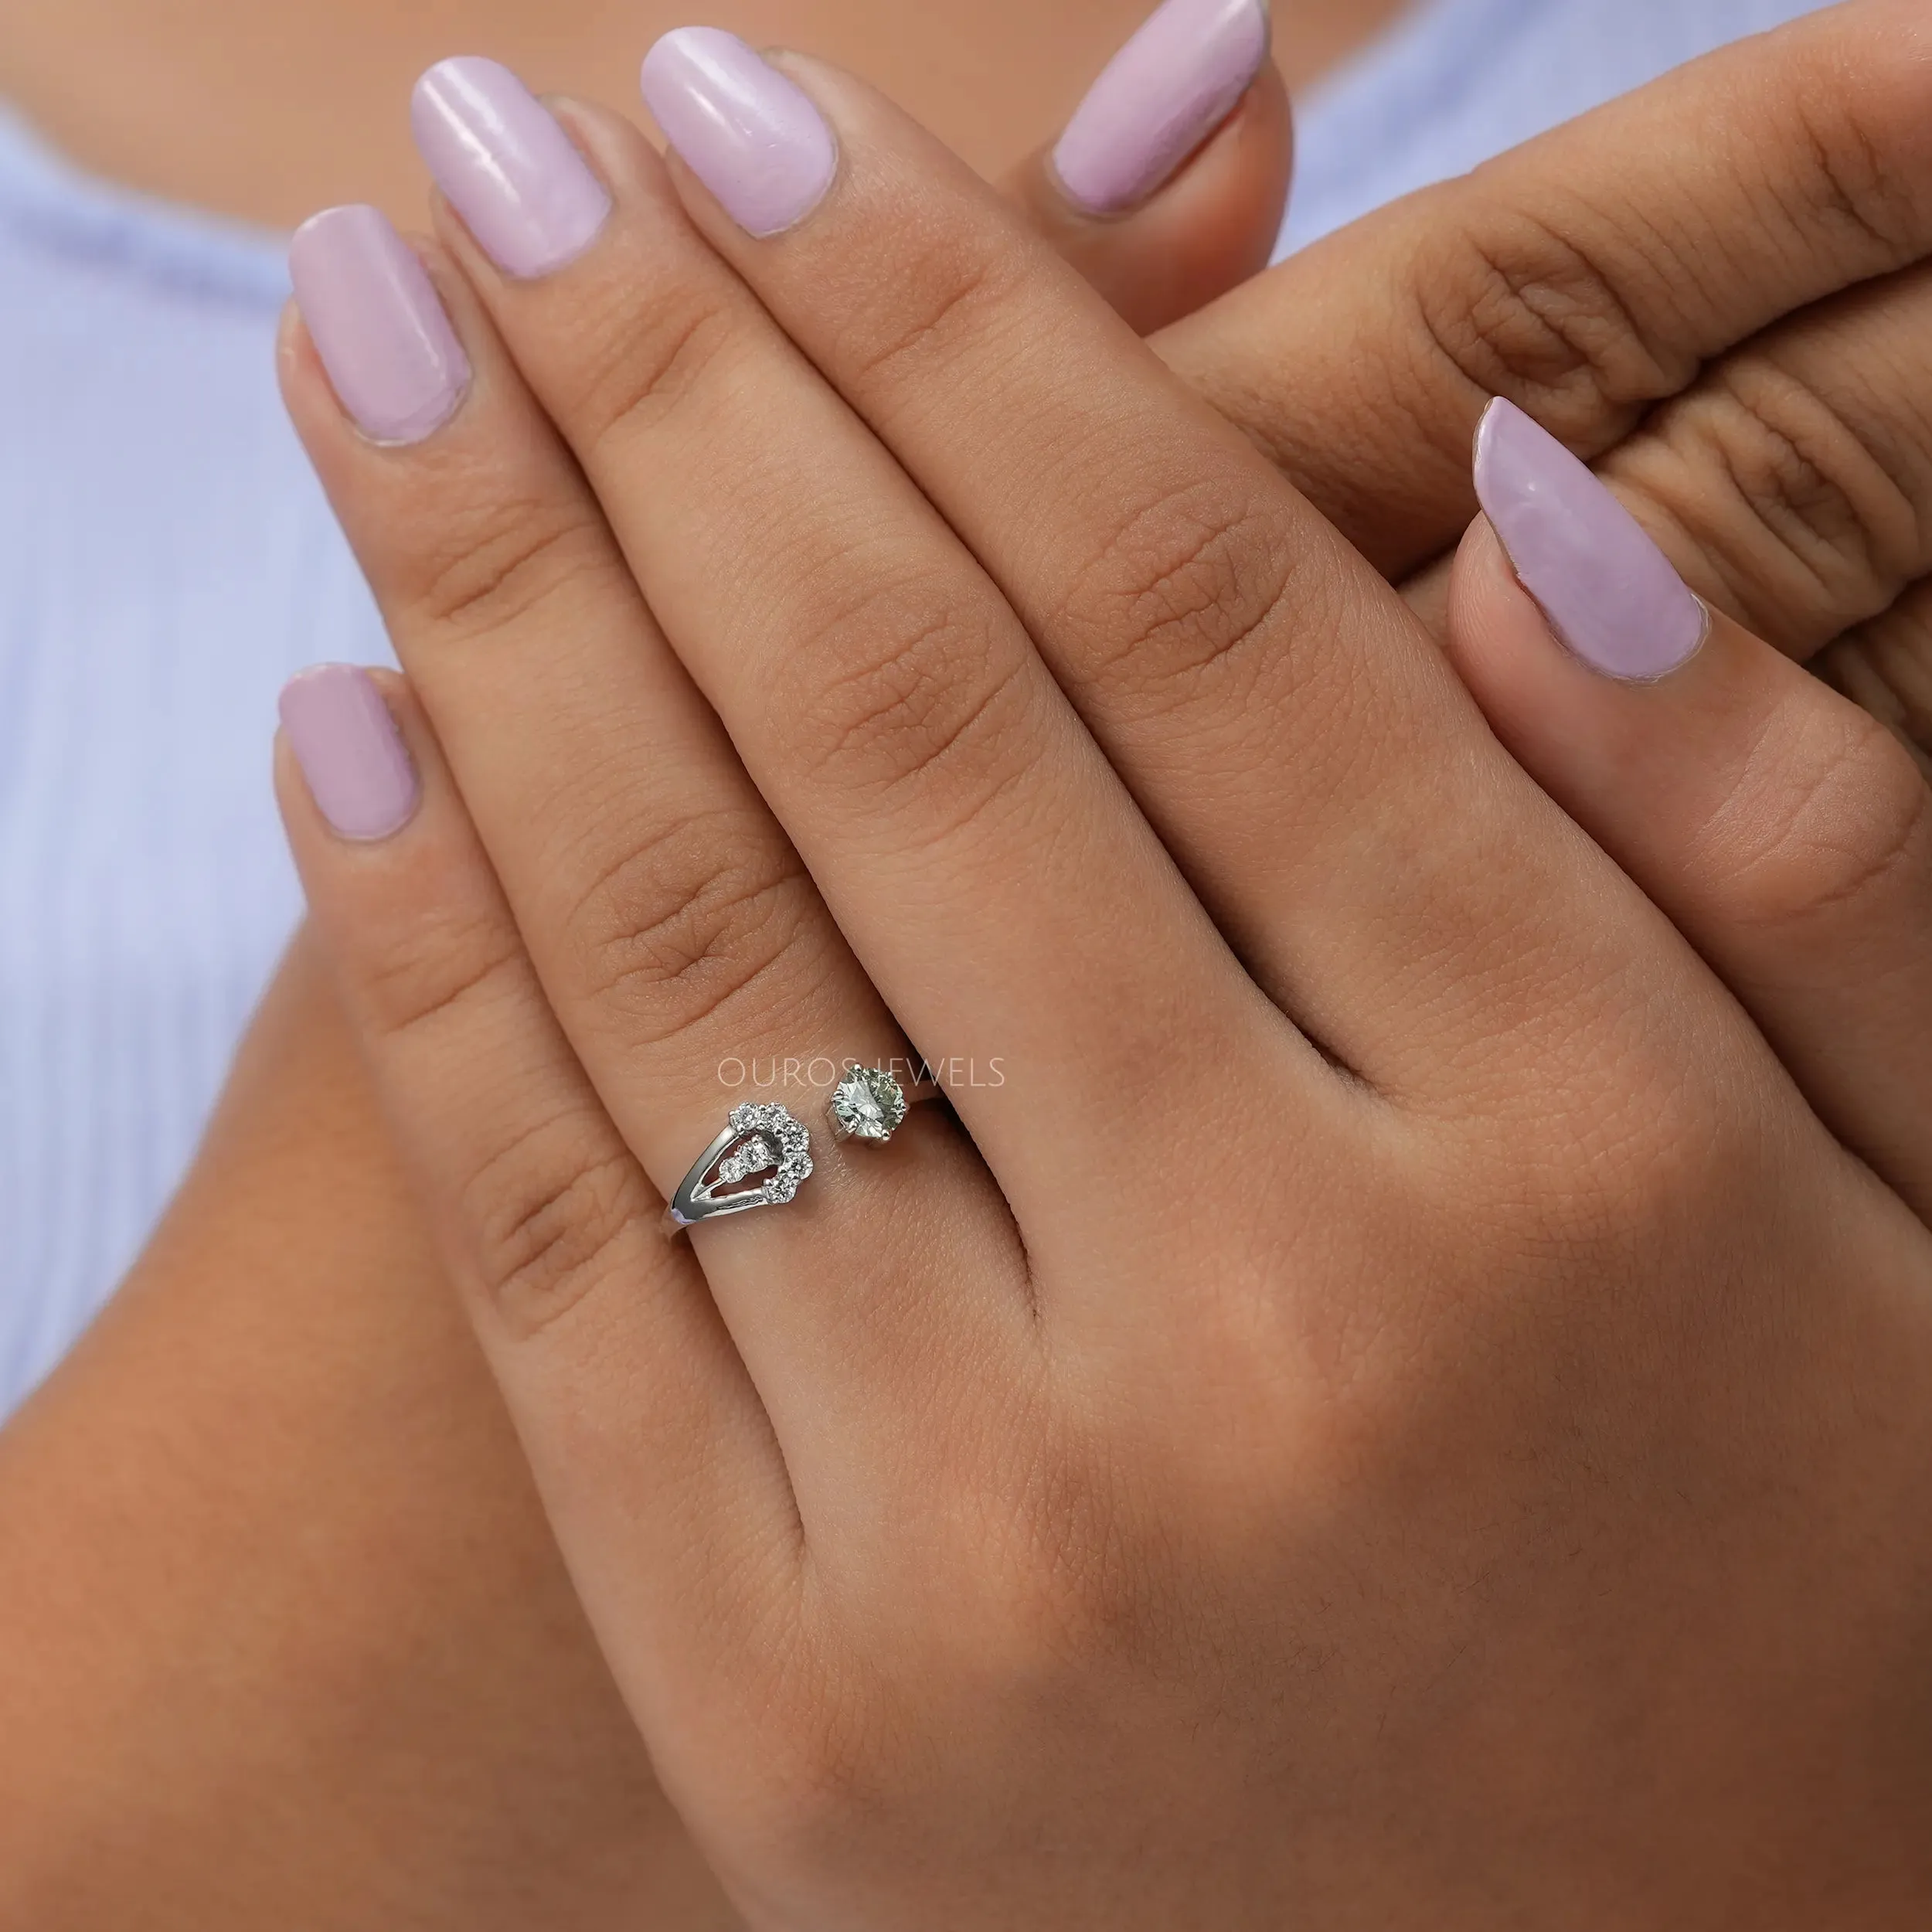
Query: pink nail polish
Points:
[1609, 593]
[351, 756]
[509, 170]
[391, 354]
[747, 131]
[1158, 99]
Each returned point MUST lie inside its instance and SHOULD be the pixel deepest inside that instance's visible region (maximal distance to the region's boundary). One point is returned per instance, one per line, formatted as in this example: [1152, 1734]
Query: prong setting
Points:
[867, 1104]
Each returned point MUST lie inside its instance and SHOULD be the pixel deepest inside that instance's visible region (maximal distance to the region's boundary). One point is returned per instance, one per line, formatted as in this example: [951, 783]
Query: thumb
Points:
[1166, 186]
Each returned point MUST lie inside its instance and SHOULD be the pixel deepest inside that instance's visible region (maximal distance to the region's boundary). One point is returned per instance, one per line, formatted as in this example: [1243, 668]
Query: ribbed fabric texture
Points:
[166, 561]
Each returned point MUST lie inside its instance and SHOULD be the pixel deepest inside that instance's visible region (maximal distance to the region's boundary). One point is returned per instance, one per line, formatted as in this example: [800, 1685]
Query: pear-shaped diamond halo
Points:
[775, 1145]
[761, 1143]
[867, 1104]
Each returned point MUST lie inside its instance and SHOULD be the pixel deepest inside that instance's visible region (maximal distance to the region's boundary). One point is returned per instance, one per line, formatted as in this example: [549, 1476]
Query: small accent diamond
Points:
[784, 1144]
[748, 1158]
[867, 1104]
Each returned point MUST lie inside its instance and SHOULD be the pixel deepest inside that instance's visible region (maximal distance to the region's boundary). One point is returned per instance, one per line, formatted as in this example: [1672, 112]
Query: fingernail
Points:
[1609, 593]
[748, 132]
[509, 170]
[351, 756]
[389, 348]
[1158, 99]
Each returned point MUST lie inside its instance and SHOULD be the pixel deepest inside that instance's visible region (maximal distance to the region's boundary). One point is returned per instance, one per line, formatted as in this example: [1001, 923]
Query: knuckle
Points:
[1183, 582]
[550, 1215]
[1808, 527]
[1515, 308]
[508, 556]
[909, 687]
[1831, 813]
[1617, 1167]
[710, 909]
[1848, 186]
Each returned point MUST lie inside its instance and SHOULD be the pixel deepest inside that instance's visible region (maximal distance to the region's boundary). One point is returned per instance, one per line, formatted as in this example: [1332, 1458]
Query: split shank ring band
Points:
[761, 1159]
[763, 1155]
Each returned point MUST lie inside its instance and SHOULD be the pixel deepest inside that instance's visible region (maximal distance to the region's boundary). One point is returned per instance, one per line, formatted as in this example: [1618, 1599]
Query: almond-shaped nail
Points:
[372, 313]
[352, 757]
[1158, 99]
[509, 168]
[748, 132]
[1609, 593]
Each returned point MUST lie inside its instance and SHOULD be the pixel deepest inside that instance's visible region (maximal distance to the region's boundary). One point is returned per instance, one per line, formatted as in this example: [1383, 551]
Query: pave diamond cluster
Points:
[771, 1144]
[867, 1104]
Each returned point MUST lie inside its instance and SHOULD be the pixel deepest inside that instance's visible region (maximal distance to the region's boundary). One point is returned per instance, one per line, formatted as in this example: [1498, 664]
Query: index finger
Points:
[1584, 275]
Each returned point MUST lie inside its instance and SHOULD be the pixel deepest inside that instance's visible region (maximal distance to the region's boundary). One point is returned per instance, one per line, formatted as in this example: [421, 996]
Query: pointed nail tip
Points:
[1483, 456]
[1609, 594]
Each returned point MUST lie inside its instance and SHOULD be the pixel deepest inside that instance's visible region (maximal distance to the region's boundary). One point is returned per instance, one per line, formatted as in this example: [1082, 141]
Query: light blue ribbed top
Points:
[166, 561]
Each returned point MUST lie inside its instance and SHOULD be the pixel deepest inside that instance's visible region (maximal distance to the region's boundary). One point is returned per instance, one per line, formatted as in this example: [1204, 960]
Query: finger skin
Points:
[1791, 483]
[268, 1529]
[972, 843]
[1476, 1544]
[1786, 833]
[551, 1230]
[1211, 227]
[1885, 666]
[1585, 275]
[671, 923]
[1328, 789]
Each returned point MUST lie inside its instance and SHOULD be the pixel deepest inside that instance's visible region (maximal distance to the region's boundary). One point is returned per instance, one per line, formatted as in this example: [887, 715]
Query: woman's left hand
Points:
[1402, 1411]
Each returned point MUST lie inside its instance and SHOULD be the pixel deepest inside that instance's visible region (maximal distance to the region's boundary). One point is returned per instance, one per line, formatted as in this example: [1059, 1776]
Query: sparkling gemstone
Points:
[869, 1104]
[748, 1158]
[776, 1147]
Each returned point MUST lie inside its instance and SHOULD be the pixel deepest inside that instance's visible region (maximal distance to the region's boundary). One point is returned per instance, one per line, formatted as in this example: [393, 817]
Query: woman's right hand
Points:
[1715, 288]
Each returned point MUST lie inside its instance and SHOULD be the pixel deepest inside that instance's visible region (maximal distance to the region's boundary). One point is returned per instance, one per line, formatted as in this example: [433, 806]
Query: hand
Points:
[1783, 473]
[1714, 288]
[1423, 1480]
[1855, 371]
[286, 1641]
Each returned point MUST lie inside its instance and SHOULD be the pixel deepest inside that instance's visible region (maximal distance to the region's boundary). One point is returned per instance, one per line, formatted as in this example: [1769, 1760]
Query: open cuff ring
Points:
[763, 1156]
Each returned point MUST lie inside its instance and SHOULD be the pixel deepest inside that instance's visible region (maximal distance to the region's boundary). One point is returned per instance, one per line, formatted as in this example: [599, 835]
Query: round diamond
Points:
[867, 1104]
[748, 1158]
[777, 1147]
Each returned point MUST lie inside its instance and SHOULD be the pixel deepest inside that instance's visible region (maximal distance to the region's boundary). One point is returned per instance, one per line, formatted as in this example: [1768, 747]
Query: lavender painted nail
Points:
[512, 173]
[1609, 593]
[748, 132]
[351, 756]
[1158, 99]
[389, 348]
